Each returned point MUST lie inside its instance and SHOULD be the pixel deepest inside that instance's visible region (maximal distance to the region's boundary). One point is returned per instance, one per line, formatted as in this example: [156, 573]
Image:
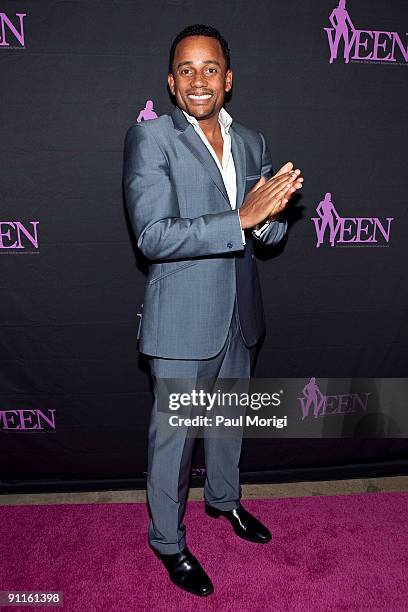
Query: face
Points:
[200, 79]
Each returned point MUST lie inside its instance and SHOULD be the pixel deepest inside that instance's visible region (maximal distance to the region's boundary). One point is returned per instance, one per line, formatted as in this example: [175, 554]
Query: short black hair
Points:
[198, 29]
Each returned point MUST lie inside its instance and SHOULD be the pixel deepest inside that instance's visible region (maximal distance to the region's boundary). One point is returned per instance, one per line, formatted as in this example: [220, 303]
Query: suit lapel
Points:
[238, 153]
[193, 142]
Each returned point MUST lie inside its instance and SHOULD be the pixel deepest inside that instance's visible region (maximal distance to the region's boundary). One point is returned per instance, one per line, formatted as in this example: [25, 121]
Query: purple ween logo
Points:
[9, 31]
[27, 419]
[349, 231]
[362, 45]
[15, 235]
[313, 402]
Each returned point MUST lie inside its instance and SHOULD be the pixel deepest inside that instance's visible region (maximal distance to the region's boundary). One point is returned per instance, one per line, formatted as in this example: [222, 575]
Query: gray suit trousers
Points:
[170, 448]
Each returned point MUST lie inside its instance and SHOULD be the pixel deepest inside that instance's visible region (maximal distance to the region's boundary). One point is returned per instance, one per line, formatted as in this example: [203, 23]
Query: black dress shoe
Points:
[244, 524]
[186, 572]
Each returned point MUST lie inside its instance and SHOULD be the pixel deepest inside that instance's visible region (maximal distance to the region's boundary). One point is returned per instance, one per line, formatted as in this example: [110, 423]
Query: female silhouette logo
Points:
[342, 24]
[147, 113]
[312, 396]
[327, 214]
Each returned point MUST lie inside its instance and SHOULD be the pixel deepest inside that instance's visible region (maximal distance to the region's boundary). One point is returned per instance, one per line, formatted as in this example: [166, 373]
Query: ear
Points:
[228, 80]
[170, 81]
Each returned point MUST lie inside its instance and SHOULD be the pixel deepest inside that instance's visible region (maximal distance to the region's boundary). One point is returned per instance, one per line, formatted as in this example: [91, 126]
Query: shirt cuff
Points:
[242, 231]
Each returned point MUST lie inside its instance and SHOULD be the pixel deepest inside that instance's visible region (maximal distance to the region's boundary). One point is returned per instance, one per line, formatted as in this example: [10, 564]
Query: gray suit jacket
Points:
[184, 224]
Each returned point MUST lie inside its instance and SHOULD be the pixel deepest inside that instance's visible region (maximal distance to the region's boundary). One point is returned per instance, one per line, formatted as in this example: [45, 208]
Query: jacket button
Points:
[229, 245]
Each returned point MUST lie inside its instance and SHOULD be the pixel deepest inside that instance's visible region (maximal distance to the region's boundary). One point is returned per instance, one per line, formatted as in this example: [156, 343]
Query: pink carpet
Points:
[336, 553]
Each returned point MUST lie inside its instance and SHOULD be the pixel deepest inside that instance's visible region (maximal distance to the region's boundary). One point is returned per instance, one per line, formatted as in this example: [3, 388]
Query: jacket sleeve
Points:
[151, 200]
[275, 231]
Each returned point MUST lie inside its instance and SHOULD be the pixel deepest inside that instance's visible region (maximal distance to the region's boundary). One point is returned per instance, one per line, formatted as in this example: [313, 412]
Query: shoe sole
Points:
[191, 590]
[250, 539]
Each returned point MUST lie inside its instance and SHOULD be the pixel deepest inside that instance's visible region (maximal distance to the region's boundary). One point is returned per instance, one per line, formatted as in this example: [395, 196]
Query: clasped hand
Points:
[269, 197]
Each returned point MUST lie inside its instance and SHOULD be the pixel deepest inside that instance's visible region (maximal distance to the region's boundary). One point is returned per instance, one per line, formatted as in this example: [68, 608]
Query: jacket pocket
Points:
[173, 271]
[252, 177]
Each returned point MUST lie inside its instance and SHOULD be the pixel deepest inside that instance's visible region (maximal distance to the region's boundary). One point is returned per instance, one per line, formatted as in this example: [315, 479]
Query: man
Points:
[194, 182]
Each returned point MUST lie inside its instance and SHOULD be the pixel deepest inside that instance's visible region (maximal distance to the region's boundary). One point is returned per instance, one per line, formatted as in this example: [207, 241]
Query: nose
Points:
[198, 81]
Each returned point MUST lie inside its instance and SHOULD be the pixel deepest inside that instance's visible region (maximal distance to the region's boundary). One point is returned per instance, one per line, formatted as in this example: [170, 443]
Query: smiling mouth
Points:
[199, 97]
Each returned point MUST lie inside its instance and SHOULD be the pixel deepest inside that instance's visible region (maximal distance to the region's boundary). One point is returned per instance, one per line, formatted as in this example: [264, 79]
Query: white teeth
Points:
[203, 97]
